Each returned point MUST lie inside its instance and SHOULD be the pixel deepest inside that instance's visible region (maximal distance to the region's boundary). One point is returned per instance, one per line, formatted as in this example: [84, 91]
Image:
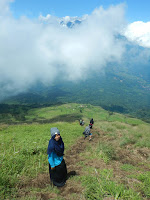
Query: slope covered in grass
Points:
[114, 165]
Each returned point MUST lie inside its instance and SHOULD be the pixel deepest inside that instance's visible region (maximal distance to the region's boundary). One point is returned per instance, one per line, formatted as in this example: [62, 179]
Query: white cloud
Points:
[31, 50]
[4, 7]
[139, 32]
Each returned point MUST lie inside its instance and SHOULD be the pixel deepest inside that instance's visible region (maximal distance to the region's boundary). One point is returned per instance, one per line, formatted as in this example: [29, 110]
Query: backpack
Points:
[86, 131]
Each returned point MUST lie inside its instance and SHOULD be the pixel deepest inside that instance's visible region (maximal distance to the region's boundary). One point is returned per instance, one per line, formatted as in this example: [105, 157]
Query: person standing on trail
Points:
[91, 123]
[87, 132]
[57, 165]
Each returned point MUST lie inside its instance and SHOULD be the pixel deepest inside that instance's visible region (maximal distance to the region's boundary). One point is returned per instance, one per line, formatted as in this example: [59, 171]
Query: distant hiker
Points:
[57, 165]
[81, 122]
[91, 123]
[87, 132]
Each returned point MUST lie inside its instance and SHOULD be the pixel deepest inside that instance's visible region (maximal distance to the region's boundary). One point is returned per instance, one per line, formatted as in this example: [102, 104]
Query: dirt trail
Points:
[72, 159]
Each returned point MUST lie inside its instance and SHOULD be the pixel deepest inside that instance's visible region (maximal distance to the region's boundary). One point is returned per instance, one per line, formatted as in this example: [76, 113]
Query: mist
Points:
[32, 50]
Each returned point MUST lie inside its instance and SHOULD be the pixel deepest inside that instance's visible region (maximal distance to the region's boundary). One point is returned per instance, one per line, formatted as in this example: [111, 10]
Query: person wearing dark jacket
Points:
[91, 123]
[57, 165]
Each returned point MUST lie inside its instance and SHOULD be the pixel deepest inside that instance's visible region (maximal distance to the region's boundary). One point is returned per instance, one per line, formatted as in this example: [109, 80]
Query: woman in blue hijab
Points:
[57, 165]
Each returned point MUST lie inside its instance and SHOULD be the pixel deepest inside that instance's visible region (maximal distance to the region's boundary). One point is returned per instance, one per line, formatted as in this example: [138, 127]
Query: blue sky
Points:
[136, 10]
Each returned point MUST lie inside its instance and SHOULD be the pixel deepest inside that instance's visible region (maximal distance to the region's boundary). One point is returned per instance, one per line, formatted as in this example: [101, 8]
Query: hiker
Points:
[81, 122]
[91, 123]
[57, 165]
[87, 132]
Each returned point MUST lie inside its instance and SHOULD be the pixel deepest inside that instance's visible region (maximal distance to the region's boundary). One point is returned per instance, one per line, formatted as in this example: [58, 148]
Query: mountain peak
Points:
[66, 21]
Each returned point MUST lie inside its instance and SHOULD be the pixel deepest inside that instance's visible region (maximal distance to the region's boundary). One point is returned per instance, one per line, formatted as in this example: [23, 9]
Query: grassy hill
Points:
[122, 89]
[114, 165]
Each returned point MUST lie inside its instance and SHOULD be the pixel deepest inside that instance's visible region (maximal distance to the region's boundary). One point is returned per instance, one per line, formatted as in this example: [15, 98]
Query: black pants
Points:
[58, 176]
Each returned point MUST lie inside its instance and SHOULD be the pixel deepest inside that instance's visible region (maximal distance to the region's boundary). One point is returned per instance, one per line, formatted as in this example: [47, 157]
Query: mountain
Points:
[70, 24]
[66, 21]
[118, 89]
[123, 87]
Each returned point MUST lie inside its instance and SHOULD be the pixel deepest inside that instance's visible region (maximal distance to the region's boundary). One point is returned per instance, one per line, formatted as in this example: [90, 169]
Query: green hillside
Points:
[114, 165]
[118, 89]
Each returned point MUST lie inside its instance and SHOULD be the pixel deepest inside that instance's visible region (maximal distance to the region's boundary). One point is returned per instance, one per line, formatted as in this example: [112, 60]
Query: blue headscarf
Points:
[56, 146]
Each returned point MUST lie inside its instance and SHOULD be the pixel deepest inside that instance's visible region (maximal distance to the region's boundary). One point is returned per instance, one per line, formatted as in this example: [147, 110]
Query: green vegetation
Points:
[115, 164]
[101, 186]
[120, 89]
[145, 185]
[24, 150]
[128, 167]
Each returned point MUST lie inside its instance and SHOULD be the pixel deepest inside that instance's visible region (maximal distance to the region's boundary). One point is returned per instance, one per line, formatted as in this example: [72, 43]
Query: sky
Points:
[35, 47]
[136, 10]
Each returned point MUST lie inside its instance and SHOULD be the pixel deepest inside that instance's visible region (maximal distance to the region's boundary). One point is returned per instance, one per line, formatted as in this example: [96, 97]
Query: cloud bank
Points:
[32, 50]
[43, 50]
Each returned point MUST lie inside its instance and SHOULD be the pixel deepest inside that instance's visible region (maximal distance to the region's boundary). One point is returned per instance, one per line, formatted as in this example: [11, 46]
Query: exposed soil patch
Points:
[73, 189]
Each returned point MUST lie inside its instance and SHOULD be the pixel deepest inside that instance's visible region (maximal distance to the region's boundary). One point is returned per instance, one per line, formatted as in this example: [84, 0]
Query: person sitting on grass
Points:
[87, 133]
[57, 165]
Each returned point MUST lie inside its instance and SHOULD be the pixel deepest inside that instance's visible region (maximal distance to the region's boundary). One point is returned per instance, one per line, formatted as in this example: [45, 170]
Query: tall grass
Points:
[23, 148]
[101, 186]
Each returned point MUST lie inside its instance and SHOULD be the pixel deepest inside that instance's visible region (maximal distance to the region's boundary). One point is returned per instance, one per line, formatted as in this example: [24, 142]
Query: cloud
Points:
[139, 32]
[4, 7]
[32, 50]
